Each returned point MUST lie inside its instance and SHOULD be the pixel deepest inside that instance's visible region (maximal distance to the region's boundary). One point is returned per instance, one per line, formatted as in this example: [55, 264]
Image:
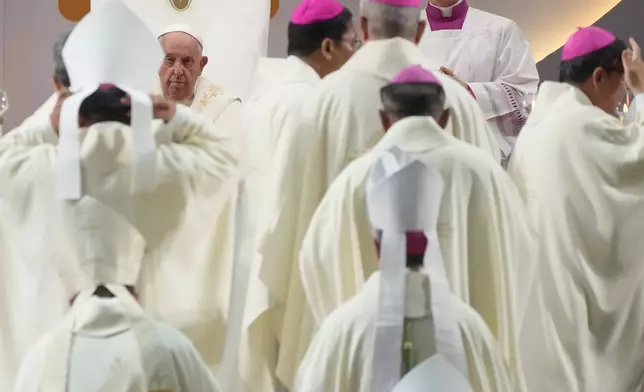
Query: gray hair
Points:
[390, 21]
[60, 71]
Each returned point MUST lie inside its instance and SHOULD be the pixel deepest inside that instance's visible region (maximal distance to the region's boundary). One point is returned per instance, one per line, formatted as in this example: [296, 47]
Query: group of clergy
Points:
[370, 220]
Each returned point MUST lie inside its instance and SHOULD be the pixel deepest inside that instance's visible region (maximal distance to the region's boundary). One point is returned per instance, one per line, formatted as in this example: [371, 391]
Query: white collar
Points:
[446, 12]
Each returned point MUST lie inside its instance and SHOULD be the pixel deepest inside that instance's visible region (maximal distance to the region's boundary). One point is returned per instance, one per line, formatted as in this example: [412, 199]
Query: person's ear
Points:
[422, 25]
[364, 27]
[385, 120]
[443, 119]
[326, 49]
[599, 75]
[203, 62]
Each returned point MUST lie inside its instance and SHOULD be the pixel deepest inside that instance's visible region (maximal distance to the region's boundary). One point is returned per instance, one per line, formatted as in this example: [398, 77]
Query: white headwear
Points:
[110, 45]
[404, 195]
[183, 28]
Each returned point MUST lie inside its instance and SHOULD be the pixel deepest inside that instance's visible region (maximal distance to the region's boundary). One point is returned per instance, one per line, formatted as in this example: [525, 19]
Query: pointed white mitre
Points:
[110, 45]
[183, 28]
[402, 193]
[107, 248]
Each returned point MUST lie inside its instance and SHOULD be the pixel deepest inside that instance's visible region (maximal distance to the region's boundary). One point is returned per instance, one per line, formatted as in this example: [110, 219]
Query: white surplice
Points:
[340, 356]
[580, 172]
[183, 281]
[483, 229]
[492, 55]
[340, 124]
[271, 118]
[104, 341]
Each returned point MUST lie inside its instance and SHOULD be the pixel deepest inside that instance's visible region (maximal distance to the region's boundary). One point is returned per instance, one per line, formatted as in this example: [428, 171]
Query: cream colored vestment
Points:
[339, 358]
[580, 172]
[484, 234]
[183, 281]
[340, 124]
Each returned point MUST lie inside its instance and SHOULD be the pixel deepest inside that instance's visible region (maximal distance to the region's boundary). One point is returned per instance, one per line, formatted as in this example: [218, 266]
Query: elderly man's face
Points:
[182, 65]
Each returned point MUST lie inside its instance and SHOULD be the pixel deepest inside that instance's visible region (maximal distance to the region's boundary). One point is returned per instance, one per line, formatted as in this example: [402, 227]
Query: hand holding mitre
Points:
[162, 109]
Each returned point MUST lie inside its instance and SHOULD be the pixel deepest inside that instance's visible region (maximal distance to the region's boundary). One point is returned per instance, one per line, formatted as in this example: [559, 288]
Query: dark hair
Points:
[303, 40]
[578, 70]
[413, 99]
[103, 292]
[60, 72]
[105, 105]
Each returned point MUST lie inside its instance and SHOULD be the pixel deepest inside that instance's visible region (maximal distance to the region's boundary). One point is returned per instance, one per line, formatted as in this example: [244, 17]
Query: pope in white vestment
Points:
[483, 230]
[579, 169]
[491, 55]
[202, 165]
[351, 351]
[339, 125]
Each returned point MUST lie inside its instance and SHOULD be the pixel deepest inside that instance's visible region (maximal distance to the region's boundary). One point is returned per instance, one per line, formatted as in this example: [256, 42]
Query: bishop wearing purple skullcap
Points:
[576, 165]
[414, 91]
[322, 35]
[339, 123]
[497, 66]
[321, 38]
[374, 273]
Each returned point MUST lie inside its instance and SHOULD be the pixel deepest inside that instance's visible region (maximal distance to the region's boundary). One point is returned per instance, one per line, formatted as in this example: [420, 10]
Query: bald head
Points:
[183, 64]
[384, 21]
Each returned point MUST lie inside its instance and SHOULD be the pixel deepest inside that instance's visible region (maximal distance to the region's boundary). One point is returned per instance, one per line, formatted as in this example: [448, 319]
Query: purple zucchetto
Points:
[415, 74]
[586, 40]
[313, 11]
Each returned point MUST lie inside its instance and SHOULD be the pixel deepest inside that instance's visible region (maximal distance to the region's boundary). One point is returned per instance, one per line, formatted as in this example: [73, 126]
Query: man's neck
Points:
[310, 61]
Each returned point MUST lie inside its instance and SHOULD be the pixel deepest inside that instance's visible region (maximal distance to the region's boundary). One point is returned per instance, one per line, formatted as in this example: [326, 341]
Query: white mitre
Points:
[403, 196]
[110, 45]
[183, 28]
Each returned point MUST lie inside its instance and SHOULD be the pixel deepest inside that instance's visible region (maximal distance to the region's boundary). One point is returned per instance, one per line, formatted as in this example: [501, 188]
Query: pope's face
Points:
[182, 66]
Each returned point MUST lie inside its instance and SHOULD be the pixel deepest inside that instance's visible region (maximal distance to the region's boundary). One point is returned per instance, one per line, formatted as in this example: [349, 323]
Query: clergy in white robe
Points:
[406, 313]
[339, 125]
[107, 343]
[491, 55]
[483, 228]
[321, 38]
[210, 153]
[579, 169]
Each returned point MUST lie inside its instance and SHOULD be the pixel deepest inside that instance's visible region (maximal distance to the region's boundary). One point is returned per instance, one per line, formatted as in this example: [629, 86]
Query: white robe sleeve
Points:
[192, 373]
[190, 145]
[515, 77]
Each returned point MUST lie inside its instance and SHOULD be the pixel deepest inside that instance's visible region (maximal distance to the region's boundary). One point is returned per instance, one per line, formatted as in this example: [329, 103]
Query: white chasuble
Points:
[105, 356]
[271, 120]
[340, 356]
[492, 55]
[340, 124]
[183, 280]
[579, 171]
[483, 230]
